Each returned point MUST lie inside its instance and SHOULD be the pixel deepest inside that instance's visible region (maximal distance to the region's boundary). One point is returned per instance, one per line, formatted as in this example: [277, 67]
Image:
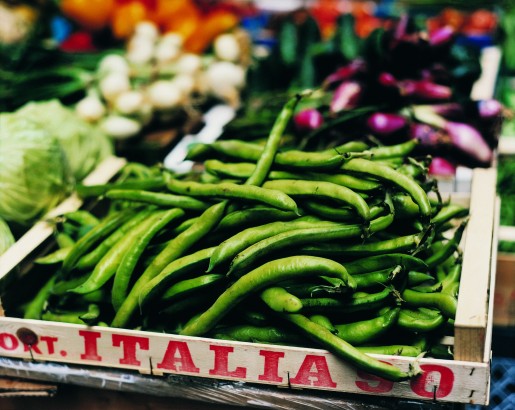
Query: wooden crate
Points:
[463, 380]
[504, 299]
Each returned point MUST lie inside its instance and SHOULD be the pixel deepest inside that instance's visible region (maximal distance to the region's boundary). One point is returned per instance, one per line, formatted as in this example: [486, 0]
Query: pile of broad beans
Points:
[341, 249]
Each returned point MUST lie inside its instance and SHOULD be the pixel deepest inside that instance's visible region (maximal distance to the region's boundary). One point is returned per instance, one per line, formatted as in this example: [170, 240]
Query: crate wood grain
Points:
[472, 314]
[463, 380]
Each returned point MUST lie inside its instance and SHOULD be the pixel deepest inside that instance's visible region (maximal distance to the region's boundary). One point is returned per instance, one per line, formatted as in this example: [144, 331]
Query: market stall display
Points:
[301, 239]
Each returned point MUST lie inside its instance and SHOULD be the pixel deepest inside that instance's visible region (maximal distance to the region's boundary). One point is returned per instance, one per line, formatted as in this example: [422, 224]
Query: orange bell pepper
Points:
[126, 17]
[181, 17]
[212, 24]
[89, 14]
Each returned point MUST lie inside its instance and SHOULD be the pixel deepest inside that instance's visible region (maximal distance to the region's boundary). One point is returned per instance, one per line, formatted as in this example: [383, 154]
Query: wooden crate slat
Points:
[472, 313]
[294, 367]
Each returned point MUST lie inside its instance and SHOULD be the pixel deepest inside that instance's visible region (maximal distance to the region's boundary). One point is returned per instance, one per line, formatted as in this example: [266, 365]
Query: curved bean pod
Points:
[385, 173]
[157, 198]
[364, 331]
[295, 187]
[228, 190]
[301, 237]
[346, 351]
[268, 274]
[174, 249]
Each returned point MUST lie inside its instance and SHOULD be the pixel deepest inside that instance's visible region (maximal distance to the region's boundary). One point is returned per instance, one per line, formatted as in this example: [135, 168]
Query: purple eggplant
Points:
[308, 120]
[346, 96]
[463, 137]
[425, 90]
[428, 136]
[385, 124]
[387, 80]
[442, 167]
[468, 140]
[345, 73]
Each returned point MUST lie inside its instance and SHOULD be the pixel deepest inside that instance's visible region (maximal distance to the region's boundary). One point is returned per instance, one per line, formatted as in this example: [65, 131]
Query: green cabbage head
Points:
[84, 145]
[34, 175]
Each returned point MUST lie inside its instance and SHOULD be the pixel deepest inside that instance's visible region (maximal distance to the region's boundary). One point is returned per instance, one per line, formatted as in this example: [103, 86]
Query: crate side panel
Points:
[303, 368]
[472, 312]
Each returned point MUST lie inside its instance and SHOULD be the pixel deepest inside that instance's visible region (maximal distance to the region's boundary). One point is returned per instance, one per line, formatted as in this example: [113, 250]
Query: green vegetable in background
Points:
[84, 145]
[6, 236]
[34, 175]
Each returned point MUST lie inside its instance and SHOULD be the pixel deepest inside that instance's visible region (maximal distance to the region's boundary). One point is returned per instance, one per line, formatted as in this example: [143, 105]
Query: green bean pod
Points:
[173, 250]
[420, 320]
[175, 270]
[257, 215]
[280, 300]
[229, 248]
[400, 244]
[358, 302]
[157, 198]
[110, 262]
[385, 173]
[243, 170]
[263, 276]
[87, 191]
[364, 331]
[322, 189]
[346, 351]
[293, 158]
[227, 190]
[391, 350]
[96, 234]
[445, 303]
[90, 259]
[186, 287]
[299, 237]
[266, 159]
[256, 334]
[130, 258]
[379, 262]
[35, 308]
[448, 249]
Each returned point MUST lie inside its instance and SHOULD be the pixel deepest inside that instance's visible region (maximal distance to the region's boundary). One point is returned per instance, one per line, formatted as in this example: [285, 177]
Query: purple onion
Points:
[441, 36]
[427, 135]
[448, 110]
[308, 120]
[442, 167]
[426, 90]
[387, 80]
[468, 140]
[488, 109]
[346, 96]
[346, 72]
[386, 123]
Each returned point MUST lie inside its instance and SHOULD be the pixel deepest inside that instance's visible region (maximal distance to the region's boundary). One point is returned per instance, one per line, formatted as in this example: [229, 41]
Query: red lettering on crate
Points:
[372, 383]
[435, 381]
[90, 345]
[314, 371]
[129, 344]
[182, 363]
[50, 343]
[271, 366]
[221, 367]
[8, 341]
